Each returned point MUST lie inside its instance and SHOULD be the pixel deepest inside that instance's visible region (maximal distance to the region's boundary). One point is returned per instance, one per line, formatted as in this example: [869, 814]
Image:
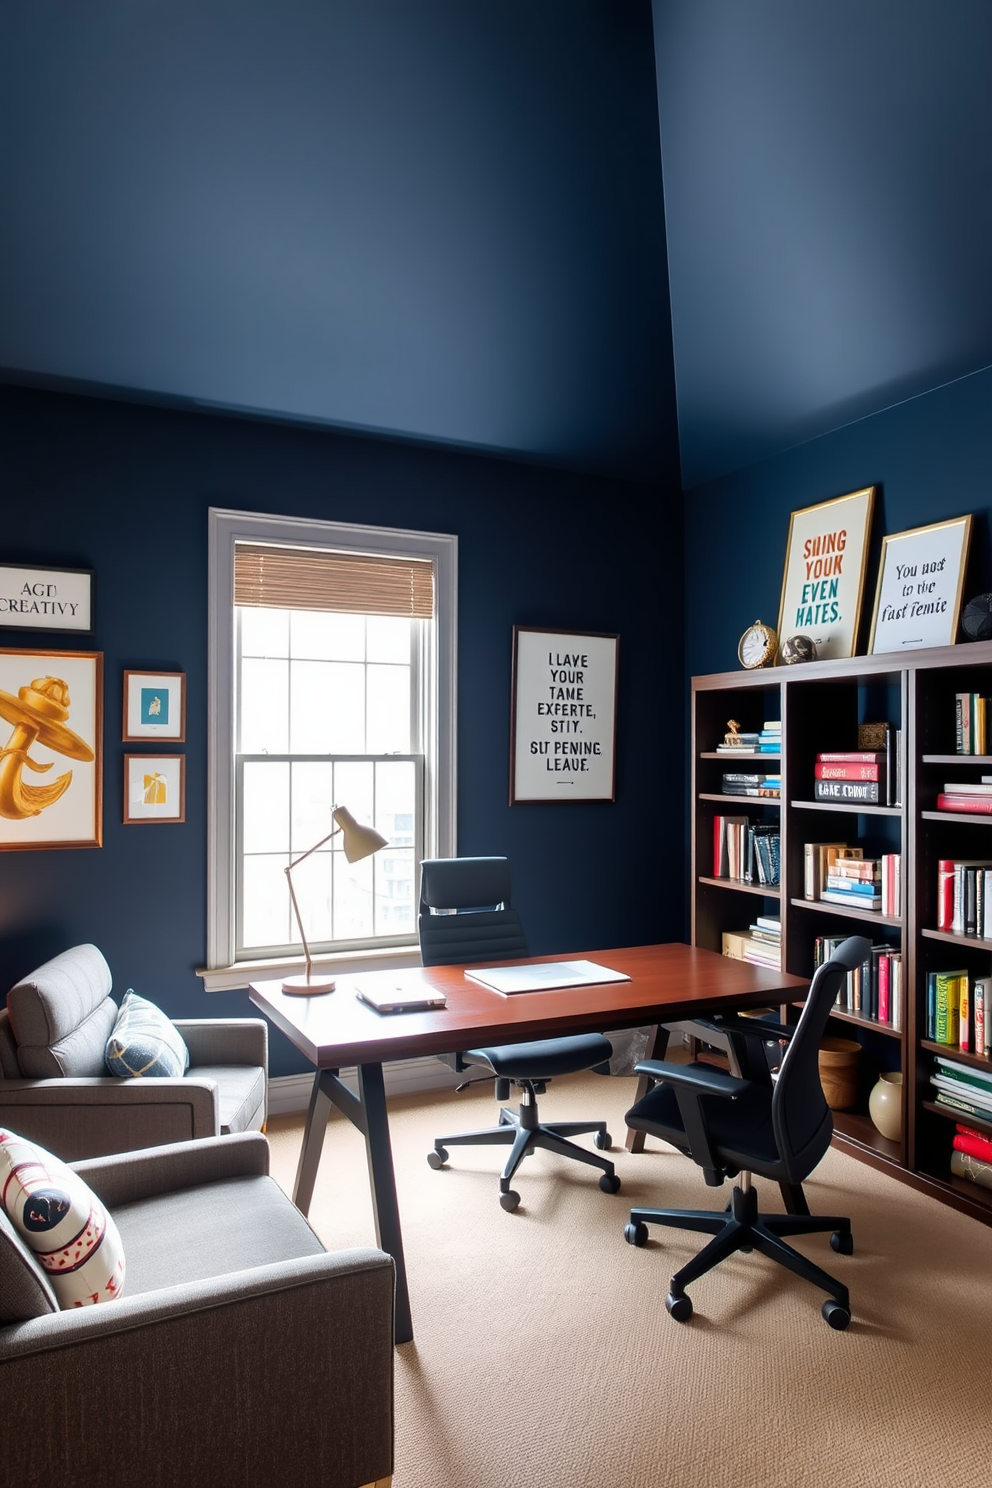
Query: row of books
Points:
[971, 1156]
[957, 1011]
[964, 896]
[770, 738]
[835, 873]
[746, 850]
[971, 796]
[970, 723]
[760, 944]
[875, 989]
[743, 783]
[962, 1088]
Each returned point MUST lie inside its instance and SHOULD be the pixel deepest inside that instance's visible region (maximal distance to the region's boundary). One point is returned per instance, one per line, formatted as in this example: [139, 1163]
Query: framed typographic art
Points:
[824, 578]
[33, 598]
[154, 788]
[154, 706]
[563, 716]
[920, 579]
[51, 767]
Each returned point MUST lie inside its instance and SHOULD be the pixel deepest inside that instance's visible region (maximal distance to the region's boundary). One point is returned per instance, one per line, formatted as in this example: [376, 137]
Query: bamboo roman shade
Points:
[342, 582]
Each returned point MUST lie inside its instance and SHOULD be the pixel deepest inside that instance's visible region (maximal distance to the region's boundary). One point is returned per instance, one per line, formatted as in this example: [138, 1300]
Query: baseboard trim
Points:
[290, 1094]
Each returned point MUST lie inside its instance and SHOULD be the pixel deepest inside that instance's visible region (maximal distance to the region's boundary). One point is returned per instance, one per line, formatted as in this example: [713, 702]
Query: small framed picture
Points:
[51, 764]
[920, 578]
[154, 706]
[154, 788]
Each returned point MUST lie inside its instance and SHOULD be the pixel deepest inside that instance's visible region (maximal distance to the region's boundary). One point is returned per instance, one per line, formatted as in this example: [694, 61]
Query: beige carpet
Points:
[544, 1355]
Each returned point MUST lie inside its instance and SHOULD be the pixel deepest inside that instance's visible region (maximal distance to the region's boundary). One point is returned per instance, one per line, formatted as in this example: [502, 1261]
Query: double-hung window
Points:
[332, 670]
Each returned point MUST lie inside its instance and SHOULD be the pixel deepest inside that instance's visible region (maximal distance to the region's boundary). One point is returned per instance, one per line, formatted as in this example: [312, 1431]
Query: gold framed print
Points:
[51, 764]
[154, 788]
[825, 561]
[920, 579]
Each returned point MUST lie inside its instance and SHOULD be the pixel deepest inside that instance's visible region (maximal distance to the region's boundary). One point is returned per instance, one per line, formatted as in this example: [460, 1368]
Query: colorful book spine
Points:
[945, 893]
[884, 978]
[966, 1139]
[852, 756]
[964, 1018]
[963, 1165]
[973, 805]
[826, 770]
[866, 791]
[979, 1015]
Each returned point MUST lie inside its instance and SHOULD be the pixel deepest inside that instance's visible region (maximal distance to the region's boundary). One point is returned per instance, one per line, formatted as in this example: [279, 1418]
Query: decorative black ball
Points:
[976, 622]
[798, 648]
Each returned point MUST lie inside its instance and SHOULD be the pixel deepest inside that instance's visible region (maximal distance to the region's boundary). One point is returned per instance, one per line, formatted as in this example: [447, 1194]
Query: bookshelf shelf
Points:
[741, 886]
[870, 916]
[852, 808]
[820, 705]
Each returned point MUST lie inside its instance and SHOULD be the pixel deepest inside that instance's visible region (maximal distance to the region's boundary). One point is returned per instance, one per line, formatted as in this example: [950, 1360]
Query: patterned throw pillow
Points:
[62, 1222]
[144, 1042]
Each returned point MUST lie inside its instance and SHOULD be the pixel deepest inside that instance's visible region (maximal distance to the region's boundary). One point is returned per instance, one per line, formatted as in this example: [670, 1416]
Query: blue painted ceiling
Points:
[446, 221]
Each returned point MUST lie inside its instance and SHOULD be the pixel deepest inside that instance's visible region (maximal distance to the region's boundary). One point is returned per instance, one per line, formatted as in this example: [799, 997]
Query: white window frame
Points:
[226, 528]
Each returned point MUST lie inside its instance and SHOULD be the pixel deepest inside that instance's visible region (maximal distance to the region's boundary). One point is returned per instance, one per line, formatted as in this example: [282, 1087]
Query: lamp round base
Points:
[303, 986]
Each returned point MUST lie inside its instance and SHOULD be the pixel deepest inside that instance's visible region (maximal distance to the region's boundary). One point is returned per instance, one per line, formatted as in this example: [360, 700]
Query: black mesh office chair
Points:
[778, 1128]
[466, 916]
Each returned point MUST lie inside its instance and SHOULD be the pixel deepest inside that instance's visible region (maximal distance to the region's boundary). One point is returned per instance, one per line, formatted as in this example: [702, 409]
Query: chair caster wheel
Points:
[603, 1141]
[610, 1183]
[636, 1234]
[843, 1242]
[679, 1307]
[836, 1314]
[437, 1158]
[509, 1200]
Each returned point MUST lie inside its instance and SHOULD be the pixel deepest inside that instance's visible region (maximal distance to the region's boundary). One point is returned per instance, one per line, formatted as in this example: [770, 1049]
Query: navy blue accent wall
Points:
[930, 458]
[125, 489]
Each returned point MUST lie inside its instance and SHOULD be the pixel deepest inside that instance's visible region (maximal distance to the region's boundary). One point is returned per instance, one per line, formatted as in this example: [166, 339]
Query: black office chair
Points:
[466, 916]
[778, 1127]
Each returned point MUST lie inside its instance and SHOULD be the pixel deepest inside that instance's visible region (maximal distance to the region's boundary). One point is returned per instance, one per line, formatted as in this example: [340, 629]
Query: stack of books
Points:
[973, 797]
[873, 990]
[764, 943]
[957, 1011]
[743, 783]
[770, 738]
[970, 723]
[962, 1088]
[972, 1155]
[854, 882]
[964, 896]
[744, 744]
[851, 775]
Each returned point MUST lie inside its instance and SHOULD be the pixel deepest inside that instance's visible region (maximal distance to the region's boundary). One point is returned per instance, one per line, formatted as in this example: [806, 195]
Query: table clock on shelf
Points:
[757, 646]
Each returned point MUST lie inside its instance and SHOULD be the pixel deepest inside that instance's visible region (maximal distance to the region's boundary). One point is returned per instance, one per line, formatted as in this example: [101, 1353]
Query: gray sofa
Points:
[240, 1355]
[54, 1085]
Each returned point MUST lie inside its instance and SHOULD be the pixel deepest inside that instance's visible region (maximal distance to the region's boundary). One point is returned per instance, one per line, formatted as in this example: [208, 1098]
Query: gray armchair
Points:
[54, 1085]
[241, 1353]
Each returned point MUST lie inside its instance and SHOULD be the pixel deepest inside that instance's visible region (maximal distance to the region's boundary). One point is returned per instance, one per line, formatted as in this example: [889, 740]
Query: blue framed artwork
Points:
[154, 706]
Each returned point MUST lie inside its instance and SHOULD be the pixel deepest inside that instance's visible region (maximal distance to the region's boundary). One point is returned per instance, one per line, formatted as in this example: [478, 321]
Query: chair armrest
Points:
[697, 1077]
[126, 1177]
[84, 1117]
[226, 1040]
[294, 1357]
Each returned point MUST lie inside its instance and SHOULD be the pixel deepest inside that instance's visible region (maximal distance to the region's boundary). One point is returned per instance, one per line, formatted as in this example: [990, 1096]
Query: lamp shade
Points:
[357, 841]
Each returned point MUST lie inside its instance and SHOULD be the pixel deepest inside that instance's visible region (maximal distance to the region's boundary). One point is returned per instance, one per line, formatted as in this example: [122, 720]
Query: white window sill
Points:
[231, 978]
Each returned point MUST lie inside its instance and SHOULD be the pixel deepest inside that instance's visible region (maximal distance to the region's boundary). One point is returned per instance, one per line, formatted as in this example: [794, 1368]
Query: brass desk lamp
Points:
[358, 842]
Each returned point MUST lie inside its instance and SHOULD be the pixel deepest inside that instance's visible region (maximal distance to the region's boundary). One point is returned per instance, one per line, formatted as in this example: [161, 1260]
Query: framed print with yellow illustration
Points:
[154, 788]
[920, 578]
[824, 579]
[51, 765]
[154, 707]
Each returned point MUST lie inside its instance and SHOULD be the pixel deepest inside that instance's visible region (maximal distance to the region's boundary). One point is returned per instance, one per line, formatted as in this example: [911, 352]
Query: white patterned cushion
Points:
[144, 1041]
[62, 1222]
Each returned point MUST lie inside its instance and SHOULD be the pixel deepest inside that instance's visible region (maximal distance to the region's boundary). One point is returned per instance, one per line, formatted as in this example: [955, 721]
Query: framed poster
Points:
[154, 788]
[154, 706]
[33, 598]
[51, 768]
[824, 579]
[563, 716]
[920, 578]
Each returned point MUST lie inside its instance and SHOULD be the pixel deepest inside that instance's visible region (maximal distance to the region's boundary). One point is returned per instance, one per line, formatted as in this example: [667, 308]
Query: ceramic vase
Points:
[885, 1105]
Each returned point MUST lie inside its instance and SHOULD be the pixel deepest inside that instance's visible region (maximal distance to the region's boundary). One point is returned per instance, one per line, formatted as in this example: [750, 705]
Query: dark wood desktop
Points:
[336, 1031]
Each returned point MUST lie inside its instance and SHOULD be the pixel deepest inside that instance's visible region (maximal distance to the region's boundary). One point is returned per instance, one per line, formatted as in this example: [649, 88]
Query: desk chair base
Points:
[741, 1227]
[523, 1133]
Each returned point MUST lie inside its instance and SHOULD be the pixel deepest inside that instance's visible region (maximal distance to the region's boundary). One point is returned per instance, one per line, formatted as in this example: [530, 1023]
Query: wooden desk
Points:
[335, 1031]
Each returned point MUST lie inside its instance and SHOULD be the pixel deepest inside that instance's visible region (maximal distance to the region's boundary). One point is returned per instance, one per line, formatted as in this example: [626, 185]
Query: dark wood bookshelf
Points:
[820, 705]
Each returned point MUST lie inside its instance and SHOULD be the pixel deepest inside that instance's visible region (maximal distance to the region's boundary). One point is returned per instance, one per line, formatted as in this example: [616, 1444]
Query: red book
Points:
[884, 981]
[973, 805]
[852, 757]
[848, 770]
[976, 1146]
[945, 893]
